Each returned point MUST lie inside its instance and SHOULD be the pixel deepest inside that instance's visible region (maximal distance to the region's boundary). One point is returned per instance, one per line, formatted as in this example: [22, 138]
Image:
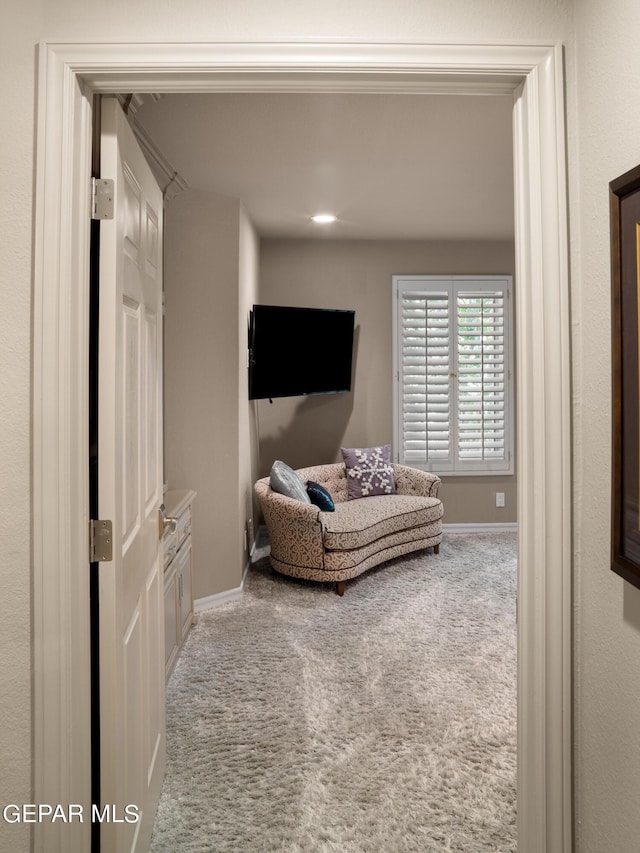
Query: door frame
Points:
[69, 75]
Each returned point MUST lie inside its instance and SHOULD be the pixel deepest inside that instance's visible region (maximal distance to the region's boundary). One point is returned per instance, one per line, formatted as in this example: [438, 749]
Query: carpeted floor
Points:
[380, 722]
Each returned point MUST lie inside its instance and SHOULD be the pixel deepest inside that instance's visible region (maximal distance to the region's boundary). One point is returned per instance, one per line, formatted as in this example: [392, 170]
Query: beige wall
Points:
[22, 26]
[203, 431]
[249, 254]
[603, 129]
[357, 274]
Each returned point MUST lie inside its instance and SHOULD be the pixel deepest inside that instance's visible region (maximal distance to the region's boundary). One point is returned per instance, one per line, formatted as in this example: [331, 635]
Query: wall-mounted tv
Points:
[297, 351]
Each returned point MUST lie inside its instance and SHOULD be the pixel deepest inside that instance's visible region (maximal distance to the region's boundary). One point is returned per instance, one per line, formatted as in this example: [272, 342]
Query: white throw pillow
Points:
[283, 479]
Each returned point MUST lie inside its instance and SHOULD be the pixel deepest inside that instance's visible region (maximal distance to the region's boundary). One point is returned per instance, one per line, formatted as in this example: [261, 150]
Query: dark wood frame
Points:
[624, 198]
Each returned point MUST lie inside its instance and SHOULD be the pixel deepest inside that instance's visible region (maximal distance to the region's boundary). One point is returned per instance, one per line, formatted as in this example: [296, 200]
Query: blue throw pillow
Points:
[320, 496]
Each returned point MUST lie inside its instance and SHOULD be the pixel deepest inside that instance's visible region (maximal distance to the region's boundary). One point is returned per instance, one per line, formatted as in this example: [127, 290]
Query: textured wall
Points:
[606, 137]
[17, 70]
[369, 20]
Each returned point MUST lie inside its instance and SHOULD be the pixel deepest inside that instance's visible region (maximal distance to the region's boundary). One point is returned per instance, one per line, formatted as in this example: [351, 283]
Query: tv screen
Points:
[296, 351]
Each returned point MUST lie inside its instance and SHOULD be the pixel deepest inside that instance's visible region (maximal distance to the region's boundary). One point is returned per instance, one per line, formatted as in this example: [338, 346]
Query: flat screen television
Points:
[299, 351]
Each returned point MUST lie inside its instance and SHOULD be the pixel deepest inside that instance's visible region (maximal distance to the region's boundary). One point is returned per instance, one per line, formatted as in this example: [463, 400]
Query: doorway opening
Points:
[217, 143]
[71, 73]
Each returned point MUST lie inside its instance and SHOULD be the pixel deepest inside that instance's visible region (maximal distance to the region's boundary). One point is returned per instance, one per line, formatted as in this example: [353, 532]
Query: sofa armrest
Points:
[295, 531]
[412, 481]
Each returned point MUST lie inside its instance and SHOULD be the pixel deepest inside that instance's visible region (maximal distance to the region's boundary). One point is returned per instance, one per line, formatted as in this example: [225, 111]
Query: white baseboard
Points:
[489, 527]
[224, 597]
[227, 595]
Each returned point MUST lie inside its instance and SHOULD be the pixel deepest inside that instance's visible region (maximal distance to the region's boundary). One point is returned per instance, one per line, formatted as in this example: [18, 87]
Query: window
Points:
[453, 374]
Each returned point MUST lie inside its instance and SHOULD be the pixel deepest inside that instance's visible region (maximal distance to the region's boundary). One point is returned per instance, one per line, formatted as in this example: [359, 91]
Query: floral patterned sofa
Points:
[360, 533]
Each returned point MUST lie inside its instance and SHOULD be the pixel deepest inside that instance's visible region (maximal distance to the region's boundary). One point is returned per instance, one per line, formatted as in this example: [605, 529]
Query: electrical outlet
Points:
[500, 499]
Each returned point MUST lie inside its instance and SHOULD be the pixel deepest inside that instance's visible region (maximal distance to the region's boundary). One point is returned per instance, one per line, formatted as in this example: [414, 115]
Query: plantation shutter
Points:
[482, 377]
[425, 379]
[453, 374]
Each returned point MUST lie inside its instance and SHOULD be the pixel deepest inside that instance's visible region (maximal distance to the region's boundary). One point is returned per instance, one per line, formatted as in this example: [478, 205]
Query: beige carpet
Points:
[380, 722]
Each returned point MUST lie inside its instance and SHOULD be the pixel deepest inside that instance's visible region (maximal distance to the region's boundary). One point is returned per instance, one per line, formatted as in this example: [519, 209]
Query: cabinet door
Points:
[171, 627]
[186, 600]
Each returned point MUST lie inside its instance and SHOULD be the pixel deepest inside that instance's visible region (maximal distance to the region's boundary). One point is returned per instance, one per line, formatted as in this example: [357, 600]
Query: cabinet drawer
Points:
[172, 542]
[183, 528]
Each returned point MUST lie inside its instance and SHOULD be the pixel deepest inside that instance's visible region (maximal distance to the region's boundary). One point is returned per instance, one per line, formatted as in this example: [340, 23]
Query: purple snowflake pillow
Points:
[369, 471]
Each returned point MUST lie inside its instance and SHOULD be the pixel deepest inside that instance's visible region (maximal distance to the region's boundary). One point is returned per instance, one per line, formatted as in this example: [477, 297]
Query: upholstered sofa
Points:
[307, 542]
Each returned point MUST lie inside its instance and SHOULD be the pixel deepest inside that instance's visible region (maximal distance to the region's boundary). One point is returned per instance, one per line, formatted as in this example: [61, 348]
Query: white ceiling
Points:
[389, 166]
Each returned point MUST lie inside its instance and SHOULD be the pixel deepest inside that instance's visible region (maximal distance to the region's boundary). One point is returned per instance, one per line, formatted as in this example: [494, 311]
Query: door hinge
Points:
[100, 541]
[102, 198]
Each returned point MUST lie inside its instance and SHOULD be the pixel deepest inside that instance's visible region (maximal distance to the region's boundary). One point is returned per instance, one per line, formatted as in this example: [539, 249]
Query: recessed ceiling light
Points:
[323, 218]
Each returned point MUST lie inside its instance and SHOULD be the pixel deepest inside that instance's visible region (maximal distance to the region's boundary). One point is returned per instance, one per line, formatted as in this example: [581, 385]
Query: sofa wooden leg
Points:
[340, 587]
[436, 548]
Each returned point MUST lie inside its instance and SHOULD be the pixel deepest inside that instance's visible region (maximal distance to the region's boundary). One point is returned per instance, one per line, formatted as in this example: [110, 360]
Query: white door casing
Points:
[130, 490]
[69, 75]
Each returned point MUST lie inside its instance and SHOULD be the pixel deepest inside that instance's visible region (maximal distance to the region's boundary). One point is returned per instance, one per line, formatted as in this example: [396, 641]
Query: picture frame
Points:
[624, 208]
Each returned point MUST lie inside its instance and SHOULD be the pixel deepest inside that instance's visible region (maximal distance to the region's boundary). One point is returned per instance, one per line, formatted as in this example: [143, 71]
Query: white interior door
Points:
[130, 492]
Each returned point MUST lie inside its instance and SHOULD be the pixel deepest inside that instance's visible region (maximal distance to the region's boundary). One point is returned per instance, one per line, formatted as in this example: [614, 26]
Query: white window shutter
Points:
[425, 377]
[481, 398]
[453, 392]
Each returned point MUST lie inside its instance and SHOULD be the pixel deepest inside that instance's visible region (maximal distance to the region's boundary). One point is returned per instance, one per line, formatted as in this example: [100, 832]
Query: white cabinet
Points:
[178, 574]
